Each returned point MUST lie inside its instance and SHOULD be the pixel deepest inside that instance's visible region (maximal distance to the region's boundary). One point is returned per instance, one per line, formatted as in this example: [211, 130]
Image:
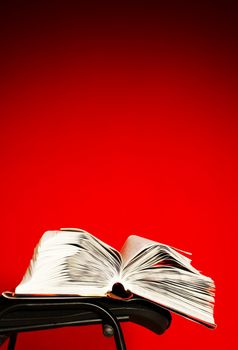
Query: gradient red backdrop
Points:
[122, 120]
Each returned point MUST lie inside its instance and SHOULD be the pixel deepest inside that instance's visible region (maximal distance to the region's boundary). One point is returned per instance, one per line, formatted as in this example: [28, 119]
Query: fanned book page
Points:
[74, 262]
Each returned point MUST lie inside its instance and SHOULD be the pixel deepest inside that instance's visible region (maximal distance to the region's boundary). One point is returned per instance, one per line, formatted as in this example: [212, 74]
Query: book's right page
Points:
[165, 275]
[134, 245]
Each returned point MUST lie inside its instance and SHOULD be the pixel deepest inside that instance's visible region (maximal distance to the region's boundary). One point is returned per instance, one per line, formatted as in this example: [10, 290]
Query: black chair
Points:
[19, 314]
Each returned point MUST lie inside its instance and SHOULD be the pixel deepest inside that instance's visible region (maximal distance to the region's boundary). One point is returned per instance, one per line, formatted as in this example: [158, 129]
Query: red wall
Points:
[122, 120]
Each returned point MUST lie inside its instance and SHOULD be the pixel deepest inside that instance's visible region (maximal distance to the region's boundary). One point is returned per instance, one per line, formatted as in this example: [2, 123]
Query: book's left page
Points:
[70, 262]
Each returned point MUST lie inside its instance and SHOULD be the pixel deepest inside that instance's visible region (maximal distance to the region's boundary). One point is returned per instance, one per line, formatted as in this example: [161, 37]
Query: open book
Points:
[74, 262]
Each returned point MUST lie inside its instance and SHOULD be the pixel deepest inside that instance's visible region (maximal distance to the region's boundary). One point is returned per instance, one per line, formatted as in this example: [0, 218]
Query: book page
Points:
[71, 261]
[185, 293]
[139, 253]
[133, 246]
[162, 274]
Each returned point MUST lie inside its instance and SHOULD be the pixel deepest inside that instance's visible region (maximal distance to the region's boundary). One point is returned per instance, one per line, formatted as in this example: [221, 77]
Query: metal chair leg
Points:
[12, 341]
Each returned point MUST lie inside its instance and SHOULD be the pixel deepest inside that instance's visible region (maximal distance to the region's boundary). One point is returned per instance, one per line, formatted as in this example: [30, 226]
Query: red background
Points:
[122, 120]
